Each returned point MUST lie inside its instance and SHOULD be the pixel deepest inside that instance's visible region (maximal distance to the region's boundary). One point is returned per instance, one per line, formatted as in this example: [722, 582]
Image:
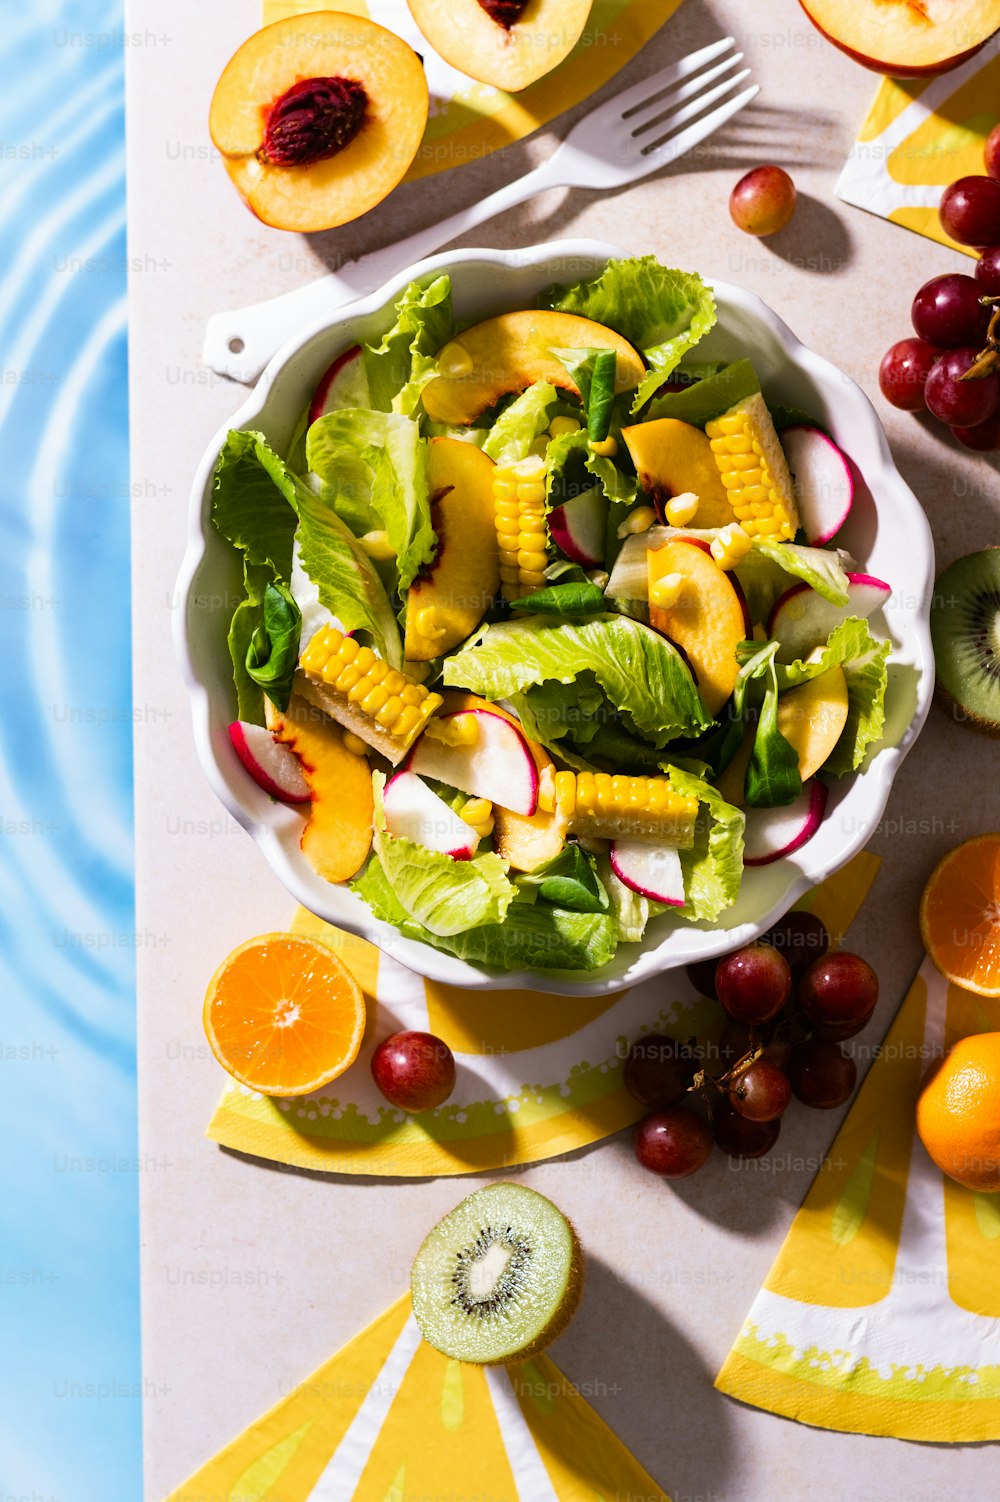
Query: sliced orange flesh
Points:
[283, 1015]
[957, 1117]
[960, 915]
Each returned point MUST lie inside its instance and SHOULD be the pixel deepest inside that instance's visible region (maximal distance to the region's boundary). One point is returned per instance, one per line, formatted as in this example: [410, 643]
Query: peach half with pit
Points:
[507, 43]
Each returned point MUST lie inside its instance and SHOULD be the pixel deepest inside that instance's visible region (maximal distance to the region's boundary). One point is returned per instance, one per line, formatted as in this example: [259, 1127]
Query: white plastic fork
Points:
[635, 133]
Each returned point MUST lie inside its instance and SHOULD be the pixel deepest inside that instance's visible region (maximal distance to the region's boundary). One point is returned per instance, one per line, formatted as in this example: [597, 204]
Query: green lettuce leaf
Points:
[441, 894]
[563, 599]
[399, 368]
[533, 936]
[820, 567]
[272, 653]
[569, 880]
[593, 372]
[246, 620]
[772, 775]
[662, 312]
[640, 671]
[713, 868]
[707, 398]
[864, 661]
[252, 501]
[518, 425]
[375, 462]
[344, 576]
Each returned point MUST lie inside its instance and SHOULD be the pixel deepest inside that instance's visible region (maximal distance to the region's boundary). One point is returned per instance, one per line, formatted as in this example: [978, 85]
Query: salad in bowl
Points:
[545, 633]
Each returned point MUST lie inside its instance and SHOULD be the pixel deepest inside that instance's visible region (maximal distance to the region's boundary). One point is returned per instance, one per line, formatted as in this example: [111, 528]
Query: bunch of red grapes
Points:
[789, 1004]
[951, 317]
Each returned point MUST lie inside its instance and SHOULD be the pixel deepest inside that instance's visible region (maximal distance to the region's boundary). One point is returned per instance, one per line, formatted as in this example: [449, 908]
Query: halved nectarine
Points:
[906, 38]
[507, 43]
[317, 117]
[673, 457]
[812, 718]
[338, 834]
[707, 619]
[446, 603]
[508, 354]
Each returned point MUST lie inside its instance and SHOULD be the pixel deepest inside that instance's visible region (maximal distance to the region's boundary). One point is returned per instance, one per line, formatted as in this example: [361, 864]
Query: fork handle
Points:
[260, 329]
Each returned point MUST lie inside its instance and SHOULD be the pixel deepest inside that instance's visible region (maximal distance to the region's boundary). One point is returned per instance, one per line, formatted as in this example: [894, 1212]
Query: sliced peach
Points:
[906, 38]
[506, 43]
[446, 603]
[812, 718]
[338, 834]
[707, 620]
[509, 353]
[317, 117]
[673, 457]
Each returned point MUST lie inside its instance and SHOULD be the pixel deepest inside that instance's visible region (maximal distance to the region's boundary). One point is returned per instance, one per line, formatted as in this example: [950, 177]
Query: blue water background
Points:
[70, 1377]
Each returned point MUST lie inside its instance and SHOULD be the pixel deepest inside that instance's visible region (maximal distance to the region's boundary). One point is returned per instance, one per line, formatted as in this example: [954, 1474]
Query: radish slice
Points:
[651, 870]
[775, 832]
[272, 766]
[802, 619]
[824, 485]
[498, 765]
[579, 527]
[413, 811]
[345, 384]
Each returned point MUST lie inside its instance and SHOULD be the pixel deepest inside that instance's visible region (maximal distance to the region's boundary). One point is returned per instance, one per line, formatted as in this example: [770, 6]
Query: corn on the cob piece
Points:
[754, 470]
[522, 531]
[374, 701]
[619, 807]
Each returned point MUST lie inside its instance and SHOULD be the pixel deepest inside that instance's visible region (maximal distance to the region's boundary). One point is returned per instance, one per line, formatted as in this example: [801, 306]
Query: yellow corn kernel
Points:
[455, 362]
[560, 426]
[731, 546]
[348, 649]
[532, 468]
[586, 791]
[532, 560]
[478, 813]
[681, 510]
[539, 449]
[455, 730]
[378, 546]
[354, 744]
[605, 448]
[565, 789]
[754, 470]
[409, 718]
[390, 711]
[429, 623]
[639, 520]
[666, 591]
[531, 492]
[347, 678]
[602, 791]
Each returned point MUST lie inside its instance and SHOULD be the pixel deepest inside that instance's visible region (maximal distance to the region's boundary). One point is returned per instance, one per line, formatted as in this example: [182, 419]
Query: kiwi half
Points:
[498, 1277]
[965, 630]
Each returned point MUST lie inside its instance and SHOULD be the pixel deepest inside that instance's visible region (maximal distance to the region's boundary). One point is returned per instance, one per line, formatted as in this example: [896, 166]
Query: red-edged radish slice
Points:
[345, 384]
[413, 811]
[802, 619]
[271, 765]
[652, 870]
[824, 485]
[498, 765]
[775, 832]
[579, 527]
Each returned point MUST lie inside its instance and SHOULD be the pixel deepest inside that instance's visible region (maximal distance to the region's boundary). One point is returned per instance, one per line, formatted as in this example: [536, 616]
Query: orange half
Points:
[283, 1015]
[960, 916]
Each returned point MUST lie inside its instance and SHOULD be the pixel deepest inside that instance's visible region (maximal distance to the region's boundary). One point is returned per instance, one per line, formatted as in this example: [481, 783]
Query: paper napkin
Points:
[388, 1418]
[538, 1075]
[880, 1314]
[468, 120]
[920, 135]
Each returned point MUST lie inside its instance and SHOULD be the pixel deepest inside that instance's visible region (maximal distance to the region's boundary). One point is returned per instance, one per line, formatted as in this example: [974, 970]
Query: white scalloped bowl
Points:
[888, 535]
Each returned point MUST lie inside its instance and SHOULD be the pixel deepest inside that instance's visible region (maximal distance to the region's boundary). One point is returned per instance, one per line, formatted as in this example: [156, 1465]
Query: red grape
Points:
[839, 1032]
[946, 311]
[904, 369]
[414, 1071]
[702, 976]
[753, 983]
[988, 272]
[673, 1143]
[991, 152]
[959, 403]
[763, 201]
[970, 211]
[657, 1070]
[984, 438]
[822, 1075]
[840, 988]
[779, 1051]
[735, 1042]
[740, 1137]
[801, 938]
[761, 1092]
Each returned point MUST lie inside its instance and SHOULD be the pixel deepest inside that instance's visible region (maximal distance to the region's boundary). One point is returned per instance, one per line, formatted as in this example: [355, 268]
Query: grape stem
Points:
[988, 359]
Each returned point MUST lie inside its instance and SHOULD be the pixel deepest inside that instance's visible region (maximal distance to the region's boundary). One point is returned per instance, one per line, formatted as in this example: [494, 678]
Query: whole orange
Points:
[958, 1113]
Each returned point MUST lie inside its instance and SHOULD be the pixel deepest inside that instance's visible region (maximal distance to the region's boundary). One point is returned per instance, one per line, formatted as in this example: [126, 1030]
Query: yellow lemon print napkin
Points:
[538, 1075]
[468, 119]
[880, 1314]
[388, 1418]
[920, 135]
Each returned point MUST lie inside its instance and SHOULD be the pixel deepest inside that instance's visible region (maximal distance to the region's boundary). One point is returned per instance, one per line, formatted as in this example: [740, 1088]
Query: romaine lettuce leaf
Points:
[344, 575]
[399, 368]
[518, 425]
[533, 936]
[713, 868]
[444, 895]
[377, 460]
[252, 501]
[640, 671]
[863, 659]
[823, 568]
[707, 398]
[662, 312]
